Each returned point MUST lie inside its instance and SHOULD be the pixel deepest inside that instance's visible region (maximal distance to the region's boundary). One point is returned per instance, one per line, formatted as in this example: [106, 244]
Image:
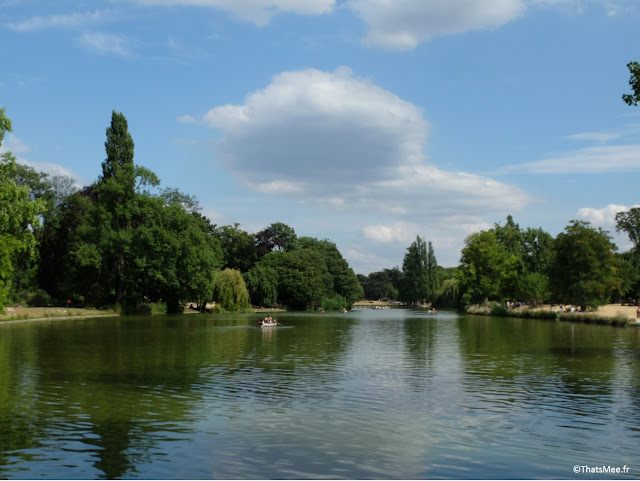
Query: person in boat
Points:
[268, 320]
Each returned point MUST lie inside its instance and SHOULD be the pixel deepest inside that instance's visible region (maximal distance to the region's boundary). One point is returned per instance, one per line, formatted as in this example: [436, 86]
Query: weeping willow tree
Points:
[230, 291]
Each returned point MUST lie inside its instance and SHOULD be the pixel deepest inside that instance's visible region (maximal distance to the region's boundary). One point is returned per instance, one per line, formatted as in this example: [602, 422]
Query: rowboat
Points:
[269, 324]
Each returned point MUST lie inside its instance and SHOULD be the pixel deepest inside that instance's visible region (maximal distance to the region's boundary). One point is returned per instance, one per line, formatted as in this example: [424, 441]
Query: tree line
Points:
[128, 243]
[580, 266]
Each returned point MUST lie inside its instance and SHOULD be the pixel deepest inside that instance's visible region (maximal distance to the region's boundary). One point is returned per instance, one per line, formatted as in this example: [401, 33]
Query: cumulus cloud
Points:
[340, 142]
[256, 11]
[398, 232]
[604, 217]
[403, 24]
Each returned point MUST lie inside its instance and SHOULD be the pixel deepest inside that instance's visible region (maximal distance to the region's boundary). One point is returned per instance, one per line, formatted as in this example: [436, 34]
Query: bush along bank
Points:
[497, 310]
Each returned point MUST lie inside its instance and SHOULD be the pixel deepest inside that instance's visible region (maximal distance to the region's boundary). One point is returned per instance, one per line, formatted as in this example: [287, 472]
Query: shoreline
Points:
[59, 317]
[610, 314]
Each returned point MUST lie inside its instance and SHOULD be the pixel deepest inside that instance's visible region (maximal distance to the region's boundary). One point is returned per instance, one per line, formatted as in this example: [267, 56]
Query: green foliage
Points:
[115, 244]
[505, 263]
[18, 218]
[634, 82]
[151, 308]
[230, 291]
[382, 285]
[238, 247]
[498, 310]
[585, 270]
[278, 237]
[414, 268]
[262, 284]
[303, 277]
[449, 293]
[432, 279]
[335, 303]
[533, 288]
[629, 222]
[420, 273]
[345, 281]
[483, 267]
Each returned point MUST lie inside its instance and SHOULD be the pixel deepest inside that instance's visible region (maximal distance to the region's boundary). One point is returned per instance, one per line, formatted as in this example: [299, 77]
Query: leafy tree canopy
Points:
[585, 270]
[634, 82]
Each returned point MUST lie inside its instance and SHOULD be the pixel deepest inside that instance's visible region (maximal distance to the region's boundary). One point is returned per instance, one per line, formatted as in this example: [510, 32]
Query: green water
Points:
[368, 394]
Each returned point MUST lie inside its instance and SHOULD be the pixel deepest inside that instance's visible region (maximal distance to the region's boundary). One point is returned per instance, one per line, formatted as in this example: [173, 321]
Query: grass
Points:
[496, 310]
[25, 313]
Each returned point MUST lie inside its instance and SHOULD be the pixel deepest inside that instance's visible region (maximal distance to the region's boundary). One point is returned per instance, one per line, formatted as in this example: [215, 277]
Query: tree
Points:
[262, 284]
[238, 247]
[629, 222]
[481, 267]
[585, 270]
[345, 281]
[172, 256]
[537, 253]
[230, 291]
[533, 288]
[634, 82]
[414, 268]
[18, 217]
[278, 237]
[433, 282]
[303, 277]
[115, 192]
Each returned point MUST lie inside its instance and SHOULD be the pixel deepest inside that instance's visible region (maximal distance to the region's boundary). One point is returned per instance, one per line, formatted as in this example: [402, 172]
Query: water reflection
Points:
[374, 394]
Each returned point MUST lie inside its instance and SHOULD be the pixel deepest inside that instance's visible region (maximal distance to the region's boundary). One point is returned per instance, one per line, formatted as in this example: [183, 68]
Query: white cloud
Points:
[398, 232]
[403, 24]
[256, 11]
[342, 143]
[186, 119]
[70, 20]
[592, 160]
[14, 145]
[106, 43]
[605, 217]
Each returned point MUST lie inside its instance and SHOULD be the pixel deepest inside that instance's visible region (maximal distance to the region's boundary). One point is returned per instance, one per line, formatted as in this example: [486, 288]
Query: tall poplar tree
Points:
[414, 268]
[116, 206]
[433, 283]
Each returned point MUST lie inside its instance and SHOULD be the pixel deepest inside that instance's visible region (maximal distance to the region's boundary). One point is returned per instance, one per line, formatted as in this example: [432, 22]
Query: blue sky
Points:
[367, 122]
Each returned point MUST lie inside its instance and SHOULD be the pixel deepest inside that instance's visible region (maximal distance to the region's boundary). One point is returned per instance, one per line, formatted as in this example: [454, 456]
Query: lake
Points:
[392, 394]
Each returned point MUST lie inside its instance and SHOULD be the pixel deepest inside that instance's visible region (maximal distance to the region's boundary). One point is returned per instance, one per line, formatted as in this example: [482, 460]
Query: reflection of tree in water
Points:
[123, 388]
[540, 364]
[280, 366]
[420, 337]
[105, 388]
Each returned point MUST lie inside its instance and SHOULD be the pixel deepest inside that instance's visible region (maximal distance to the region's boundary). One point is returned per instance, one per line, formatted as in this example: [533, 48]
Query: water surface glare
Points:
[392, 394]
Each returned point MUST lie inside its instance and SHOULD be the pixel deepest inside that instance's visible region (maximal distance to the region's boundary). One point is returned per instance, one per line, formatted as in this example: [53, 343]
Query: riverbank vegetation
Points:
[127, 243]
[507, 264]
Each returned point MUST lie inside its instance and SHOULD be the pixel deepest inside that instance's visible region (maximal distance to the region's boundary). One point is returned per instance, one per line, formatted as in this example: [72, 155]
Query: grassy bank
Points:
[617, 318]
[33, 313]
